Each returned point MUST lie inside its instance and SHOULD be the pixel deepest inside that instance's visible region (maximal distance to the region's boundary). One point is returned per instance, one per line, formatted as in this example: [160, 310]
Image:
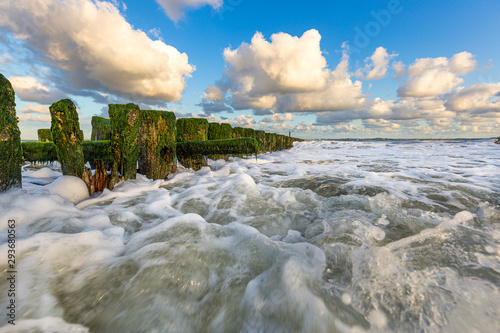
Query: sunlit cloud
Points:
[94, 48]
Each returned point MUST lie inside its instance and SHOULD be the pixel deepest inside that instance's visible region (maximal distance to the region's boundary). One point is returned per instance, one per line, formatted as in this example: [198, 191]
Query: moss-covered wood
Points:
[101, 129]
[238, 132]
[39, 151]
[10, 138]
[192, 130]
[218, 131]
[260, 136]
[229, 146]
[270, 142]
[157, 144]
[97, 151]
[46, 151]
[125, 120]
[44, 135]
[67, 137]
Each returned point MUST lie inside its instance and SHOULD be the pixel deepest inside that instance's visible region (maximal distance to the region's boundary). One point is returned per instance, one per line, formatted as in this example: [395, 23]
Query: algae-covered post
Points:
[192, 130]
[218, 131]
[67, 137]
[101, 129]
[238, 132]
[270, 142]
[44, 135]
[260, 136]
[157, 144]
[10, 138]
[124, 140]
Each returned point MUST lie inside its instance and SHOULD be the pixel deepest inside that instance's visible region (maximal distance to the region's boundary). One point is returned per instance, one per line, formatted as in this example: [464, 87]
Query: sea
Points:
[329, 236]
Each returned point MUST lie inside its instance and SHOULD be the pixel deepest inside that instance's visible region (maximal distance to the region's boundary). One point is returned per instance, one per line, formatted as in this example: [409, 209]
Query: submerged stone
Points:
[67, 137]
[157, 144]
[10, 138]
[192, 130]
[125, 120]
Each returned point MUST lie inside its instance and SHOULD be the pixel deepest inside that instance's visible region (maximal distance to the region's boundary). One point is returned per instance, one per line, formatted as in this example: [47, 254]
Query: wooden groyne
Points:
[146, 141]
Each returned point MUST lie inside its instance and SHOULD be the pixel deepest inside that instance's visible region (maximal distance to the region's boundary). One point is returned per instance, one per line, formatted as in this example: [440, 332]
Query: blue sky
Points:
[329, 69]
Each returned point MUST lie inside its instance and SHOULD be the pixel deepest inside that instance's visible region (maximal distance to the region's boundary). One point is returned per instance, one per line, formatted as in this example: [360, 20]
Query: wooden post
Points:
[11, 152]
[44, 135]
[124, 140]
[157, 144]
[67, 137]
[192, 130]
[101, 129]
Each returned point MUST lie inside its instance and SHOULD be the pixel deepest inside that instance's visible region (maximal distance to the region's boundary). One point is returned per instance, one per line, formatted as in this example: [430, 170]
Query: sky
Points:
[317, 69]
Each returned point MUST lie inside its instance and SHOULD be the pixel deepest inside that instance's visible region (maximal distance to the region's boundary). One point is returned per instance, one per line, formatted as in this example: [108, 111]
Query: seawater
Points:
[330, 236]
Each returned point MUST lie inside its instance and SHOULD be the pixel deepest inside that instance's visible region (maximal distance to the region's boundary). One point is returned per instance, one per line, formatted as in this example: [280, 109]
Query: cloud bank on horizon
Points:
[290, 74]
[88, 48]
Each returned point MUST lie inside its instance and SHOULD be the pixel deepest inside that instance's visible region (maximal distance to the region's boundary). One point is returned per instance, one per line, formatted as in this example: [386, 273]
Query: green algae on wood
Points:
[101, 129]
[97, 151]
[157, 144]
[260, 136]
[44, 135]
[228, 146]
[10, 138]
[46, 151]
[238, 132]
[192, 130]
[67, 137]
[218, 131]
[270, 142]
[125, 120]
[39, 151]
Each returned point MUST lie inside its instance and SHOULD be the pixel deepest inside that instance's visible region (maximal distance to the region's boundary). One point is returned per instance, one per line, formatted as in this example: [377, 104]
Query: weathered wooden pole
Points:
[67, 137]
[101, 129]
[238, 132]
[218, 131]
[192, 130]
[157, 144]
[44, 135]
[11, 153]
[125, 120]
[260, 136]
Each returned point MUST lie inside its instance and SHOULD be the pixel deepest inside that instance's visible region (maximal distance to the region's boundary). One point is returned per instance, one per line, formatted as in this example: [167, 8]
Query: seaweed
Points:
[101, 129]
[10, 138]
[67, 137]
[192, 130]
[260, 136]
[157, 144]
[44, 135]
[125, 122]
[227, 146]
[97, 151]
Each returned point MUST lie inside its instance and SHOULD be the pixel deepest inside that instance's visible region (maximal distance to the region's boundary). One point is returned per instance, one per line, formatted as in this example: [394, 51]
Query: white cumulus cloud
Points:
[376, 65]
[35, 108]
[287, 74]
[95, 48]
[429, 77]
[29, 89]
[175, 8]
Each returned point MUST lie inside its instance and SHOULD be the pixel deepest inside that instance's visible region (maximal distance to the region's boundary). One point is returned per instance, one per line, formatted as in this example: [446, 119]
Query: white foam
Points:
[70, 188]
[42, 173]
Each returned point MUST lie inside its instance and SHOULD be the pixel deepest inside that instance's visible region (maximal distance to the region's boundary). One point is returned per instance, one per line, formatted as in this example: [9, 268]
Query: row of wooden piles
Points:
[132, 140]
